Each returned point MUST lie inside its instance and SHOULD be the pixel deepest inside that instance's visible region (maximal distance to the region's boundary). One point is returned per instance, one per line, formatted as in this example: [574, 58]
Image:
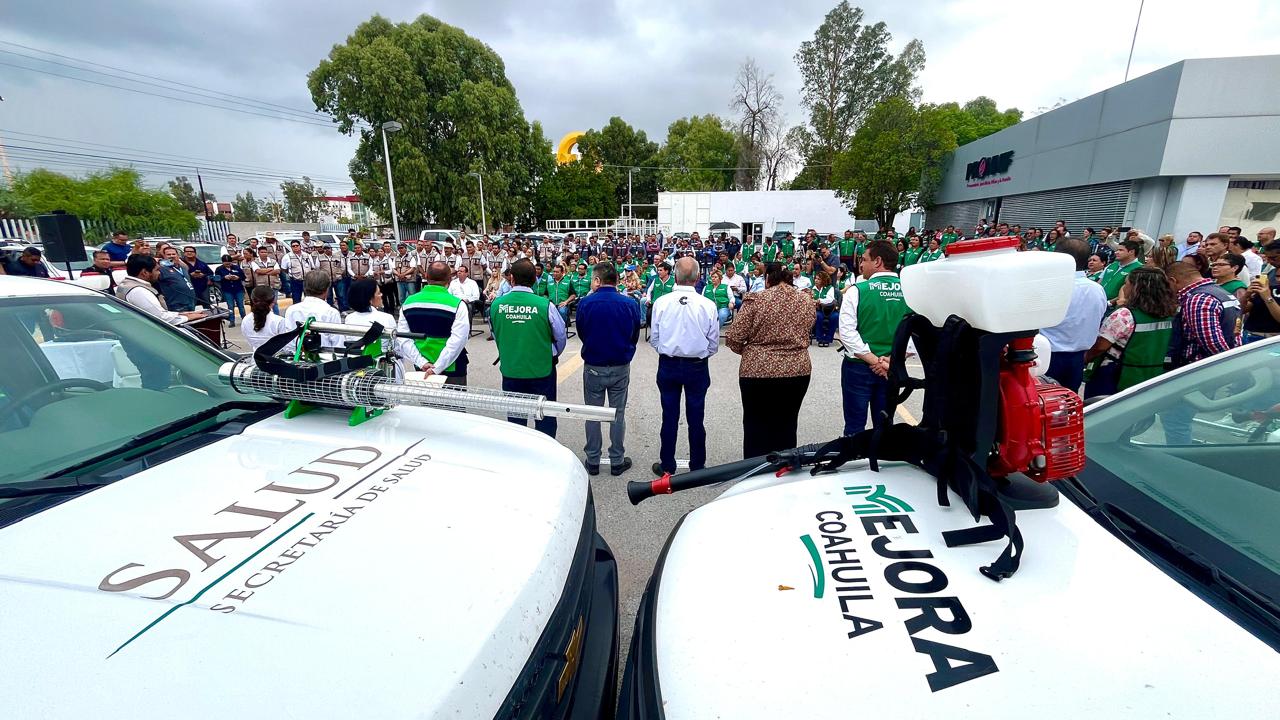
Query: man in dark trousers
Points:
[609, 326]
[530, 336]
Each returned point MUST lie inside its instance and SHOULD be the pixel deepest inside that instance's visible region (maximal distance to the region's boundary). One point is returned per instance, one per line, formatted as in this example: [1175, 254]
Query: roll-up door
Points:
[1086, 206]
[963, 215]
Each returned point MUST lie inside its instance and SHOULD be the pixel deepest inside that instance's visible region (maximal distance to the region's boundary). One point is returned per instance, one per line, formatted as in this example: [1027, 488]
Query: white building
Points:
[761, 212]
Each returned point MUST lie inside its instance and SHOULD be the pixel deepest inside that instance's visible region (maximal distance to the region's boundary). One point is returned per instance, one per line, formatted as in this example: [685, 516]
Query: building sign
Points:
[978, 173]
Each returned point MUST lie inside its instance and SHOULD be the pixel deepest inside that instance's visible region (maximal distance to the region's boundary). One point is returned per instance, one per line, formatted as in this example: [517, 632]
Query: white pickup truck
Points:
[170, 548]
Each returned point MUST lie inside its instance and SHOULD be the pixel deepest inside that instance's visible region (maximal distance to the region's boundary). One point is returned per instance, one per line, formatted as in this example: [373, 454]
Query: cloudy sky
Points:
[574, 64]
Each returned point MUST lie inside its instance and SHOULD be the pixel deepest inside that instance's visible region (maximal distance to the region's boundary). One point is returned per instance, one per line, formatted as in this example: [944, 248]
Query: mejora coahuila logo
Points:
[977, 172]
[268, 530]
[913, 582]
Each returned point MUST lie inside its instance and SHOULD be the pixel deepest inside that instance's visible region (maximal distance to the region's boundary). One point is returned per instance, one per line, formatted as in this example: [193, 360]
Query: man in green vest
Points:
[770, 250]
[788, 246]
[530, 337]
[560, 292]
[849, 251]
[869, 317]
[949, 235]
[544, 279]
[445, 321]
[1126, 261]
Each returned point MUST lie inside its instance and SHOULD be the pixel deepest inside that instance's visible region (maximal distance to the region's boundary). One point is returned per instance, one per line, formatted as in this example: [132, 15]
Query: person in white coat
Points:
[315, 287]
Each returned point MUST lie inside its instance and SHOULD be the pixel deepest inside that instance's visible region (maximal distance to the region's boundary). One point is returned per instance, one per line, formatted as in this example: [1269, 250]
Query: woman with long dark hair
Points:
[1134, 339]
[263, 324]
[771, 333]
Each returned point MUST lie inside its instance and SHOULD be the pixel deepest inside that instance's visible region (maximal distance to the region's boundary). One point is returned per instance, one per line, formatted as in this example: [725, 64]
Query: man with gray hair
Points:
[315, 287]
[685, 330]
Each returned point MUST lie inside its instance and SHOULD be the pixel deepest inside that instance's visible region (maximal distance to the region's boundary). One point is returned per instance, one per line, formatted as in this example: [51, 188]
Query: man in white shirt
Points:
[295, 265]
[685, 330]
[360, 264]
[737, 284]
[1243, 247]
[137, 290]
[1077, 332]
[465, 289]
[315, 286]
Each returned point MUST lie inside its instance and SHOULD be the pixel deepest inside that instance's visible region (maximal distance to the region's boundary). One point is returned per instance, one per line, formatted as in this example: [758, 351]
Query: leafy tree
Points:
[847, 69]
[459, 115]
[114, 196]
[977, 118]
[576, 190]
[894, 161]
[300, 205]
[616, 147]
[758, 106]
[13, 205]
[701, 153]
[245, 208]
[182, 191]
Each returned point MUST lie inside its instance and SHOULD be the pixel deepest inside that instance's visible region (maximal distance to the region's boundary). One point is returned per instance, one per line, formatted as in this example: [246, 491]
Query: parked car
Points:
[57, 271]
[1157, 578]
[445, 237]
[186, 551]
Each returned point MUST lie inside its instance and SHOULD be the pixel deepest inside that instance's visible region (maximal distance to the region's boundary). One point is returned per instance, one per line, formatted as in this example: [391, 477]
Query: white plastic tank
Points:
[992, 286]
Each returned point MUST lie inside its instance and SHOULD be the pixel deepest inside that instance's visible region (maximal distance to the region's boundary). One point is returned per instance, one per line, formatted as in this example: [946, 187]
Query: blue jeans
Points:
[824, 325]
[564, 314]
[860, 387]
[235, 300]
[340, 289]
[295, 289]
[545, 386]
[723, 314]
[1249, 337]
[406, 289]
[693, 377]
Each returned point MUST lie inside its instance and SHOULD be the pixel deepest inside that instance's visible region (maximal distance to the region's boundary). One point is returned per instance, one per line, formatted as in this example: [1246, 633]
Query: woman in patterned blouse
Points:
[771, 333]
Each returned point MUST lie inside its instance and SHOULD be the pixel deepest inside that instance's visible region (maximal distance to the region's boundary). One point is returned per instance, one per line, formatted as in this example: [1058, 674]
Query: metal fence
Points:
[24, 230]
[214, 231]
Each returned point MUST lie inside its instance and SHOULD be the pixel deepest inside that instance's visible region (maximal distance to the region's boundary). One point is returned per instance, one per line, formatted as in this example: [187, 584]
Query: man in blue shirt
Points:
[118, 249]
[174, 283]
[199, 272]
[609, 326]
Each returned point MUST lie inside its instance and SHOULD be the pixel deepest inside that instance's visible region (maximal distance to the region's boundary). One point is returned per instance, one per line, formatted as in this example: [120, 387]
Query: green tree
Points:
[116, 197]
[13, 205]
[185, 193]
[300, 205]
[459, 115]
[701, 153]
[616, 147]
[576, 190]
[894, 161]
[246, 208]
[977, 118]
[847, 69]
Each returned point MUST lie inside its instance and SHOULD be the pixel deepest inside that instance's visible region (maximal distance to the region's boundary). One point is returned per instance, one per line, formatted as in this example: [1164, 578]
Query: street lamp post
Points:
[391, 126]
[484, 225]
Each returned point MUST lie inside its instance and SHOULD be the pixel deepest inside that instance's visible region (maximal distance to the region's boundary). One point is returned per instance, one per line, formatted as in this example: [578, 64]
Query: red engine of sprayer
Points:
[1041, 426]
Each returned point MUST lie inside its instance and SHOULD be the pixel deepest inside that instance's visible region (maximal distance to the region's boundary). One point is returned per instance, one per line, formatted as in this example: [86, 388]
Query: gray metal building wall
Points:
[1089, 206]
[963, 215]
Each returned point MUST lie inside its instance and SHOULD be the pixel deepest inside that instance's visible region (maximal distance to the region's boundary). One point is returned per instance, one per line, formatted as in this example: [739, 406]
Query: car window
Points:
[1205, 445]
[84, 375]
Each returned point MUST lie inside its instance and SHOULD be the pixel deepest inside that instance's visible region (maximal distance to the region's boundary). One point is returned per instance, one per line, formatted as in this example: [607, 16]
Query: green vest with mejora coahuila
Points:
[523, 333]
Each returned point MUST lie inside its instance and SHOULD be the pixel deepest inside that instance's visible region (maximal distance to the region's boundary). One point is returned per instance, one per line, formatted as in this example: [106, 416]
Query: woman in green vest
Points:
[933, 253]
[1133, 340]
[718, 292]
[828, 312]
[1226, 271]
[915, 248]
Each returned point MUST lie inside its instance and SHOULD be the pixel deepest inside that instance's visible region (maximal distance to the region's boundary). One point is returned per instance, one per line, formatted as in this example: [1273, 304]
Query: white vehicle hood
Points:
[765, 612]
[414, 583]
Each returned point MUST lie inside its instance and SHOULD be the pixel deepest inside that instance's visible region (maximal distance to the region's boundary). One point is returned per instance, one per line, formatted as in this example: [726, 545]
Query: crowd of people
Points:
[1139, 306]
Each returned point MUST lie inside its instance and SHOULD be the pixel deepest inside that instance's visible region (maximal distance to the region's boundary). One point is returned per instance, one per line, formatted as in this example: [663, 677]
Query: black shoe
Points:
[658, 471]
[621, 467]
[490, 338]
[592, 470]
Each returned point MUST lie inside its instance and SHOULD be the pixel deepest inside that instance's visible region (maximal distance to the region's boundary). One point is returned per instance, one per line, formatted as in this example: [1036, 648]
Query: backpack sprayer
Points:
[361, 377]
[991, 432]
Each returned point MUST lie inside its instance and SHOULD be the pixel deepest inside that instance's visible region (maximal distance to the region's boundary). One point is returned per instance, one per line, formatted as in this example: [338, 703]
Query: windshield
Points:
[84, 375]
[1197, 456]
[210, 254]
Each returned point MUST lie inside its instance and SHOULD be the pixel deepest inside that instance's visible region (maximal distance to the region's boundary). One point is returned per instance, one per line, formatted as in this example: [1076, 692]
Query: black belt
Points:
[677, 358]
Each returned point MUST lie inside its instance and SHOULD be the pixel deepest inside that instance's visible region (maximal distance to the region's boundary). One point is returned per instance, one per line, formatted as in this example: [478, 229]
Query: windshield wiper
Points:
[1255, 604]
[195, 419]
[51, 487]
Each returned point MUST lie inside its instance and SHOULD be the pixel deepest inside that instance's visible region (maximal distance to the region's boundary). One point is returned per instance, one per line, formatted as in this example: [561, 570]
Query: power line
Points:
[210, 95]
[68, 143]
[92, 160]
[168, 97]
[153, 77]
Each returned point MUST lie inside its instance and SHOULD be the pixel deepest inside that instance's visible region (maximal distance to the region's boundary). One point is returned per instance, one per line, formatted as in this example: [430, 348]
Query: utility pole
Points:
[1133, 42]
[484, 225]
[391, 126]
[208, 231]
[4, 163]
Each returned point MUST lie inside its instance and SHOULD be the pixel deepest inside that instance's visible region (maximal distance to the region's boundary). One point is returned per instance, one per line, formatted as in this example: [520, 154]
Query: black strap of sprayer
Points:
[267, 361]
[948, 443]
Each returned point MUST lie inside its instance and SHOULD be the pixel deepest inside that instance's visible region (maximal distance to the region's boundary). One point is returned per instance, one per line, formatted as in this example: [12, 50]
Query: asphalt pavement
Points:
[638, 533]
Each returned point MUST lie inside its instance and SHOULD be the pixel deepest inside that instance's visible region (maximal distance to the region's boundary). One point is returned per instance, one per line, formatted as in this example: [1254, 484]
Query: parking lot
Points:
[637, 533]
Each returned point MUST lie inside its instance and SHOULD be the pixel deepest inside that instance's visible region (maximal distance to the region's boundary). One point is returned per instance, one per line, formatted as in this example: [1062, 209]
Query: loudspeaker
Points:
[62, 236]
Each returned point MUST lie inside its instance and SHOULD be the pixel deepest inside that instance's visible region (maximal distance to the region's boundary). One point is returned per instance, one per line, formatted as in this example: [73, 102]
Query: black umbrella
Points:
[724, 226]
